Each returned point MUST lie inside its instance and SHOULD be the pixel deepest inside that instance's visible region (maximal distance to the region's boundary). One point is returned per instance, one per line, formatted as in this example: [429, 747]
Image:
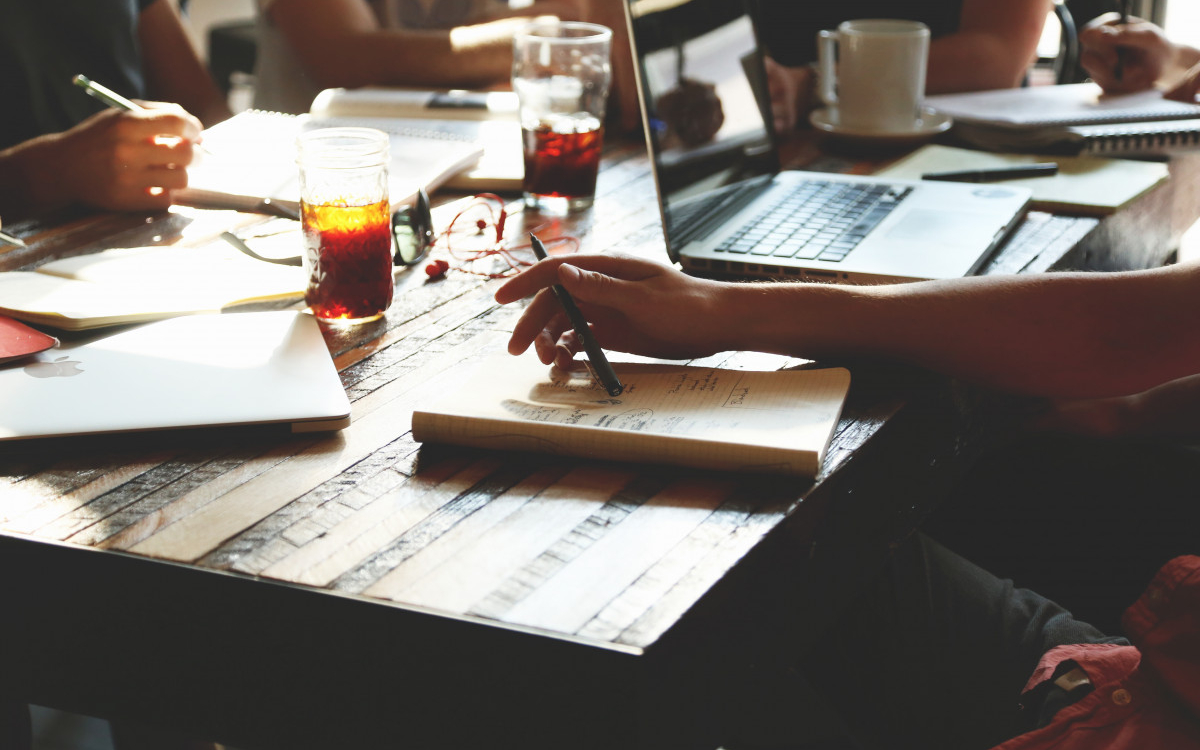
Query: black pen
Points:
[1013, 172]
[600, 366]
[1119, 66]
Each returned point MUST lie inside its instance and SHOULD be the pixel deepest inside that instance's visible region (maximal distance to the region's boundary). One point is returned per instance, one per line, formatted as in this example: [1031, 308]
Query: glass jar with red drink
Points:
[345, 213]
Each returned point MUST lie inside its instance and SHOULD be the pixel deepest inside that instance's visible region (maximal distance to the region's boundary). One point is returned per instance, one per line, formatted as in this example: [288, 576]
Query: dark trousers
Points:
[935, 653]
[1084, 522]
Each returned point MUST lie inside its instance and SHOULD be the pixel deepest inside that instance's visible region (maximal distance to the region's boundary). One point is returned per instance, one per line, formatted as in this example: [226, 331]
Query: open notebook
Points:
[705, 417]
[252, 156]
[139, 284]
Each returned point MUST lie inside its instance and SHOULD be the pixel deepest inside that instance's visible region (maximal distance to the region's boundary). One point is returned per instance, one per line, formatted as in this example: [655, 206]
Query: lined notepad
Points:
[704, 417]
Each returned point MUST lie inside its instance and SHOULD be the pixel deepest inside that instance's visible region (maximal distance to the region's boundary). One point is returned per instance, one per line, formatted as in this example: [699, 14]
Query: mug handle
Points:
[826, 65]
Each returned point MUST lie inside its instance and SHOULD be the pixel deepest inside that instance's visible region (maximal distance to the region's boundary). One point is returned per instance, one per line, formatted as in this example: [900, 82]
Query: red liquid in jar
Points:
[348, 256]
[562, 165]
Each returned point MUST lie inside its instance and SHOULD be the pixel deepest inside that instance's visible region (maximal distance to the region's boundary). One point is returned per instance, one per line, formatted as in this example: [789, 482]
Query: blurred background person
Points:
[309, 45]
[976, 45]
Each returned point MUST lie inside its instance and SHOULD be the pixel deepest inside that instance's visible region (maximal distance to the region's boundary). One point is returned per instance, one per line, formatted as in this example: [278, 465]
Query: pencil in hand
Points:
[105, 94]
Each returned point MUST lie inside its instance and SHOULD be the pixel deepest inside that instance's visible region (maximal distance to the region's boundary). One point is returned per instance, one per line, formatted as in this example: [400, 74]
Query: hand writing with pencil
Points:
[1135, 55]
[115, 160]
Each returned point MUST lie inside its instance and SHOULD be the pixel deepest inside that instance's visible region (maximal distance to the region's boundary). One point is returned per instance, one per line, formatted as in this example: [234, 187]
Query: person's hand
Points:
[1145, 49]
[1187, 88]
[790, 90]
[126, 161]
[633, 305]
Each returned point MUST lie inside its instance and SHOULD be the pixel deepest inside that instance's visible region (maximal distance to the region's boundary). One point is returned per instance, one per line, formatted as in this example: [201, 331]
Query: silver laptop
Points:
[194, 371]
[728, 210]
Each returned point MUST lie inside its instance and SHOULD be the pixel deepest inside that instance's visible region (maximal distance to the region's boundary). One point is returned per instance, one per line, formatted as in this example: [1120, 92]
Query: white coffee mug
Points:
[872, 73]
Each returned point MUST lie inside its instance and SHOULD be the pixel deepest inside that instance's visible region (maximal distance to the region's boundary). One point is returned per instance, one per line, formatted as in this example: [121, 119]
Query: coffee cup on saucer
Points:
[871, 75]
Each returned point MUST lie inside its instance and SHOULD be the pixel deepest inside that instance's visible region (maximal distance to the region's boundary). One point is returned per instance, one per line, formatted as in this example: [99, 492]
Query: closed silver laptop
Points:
[194, 371]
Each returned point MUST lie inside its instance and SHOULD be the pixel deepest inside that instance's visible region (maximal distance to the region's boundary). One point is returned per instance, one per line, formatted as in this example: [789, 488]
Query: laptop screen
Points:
[703, 86]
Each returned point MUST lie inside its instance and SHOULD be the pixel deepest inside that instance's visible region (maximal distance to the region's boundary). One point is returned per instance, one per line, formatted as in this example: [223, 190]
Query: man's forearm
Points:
[973, 62]
[1062, 335]
[29, 179]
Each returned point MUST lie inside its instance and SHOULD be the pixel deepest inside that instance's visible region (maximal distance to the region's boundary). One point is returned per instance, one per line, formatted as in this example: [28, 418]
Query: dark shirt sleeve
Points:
[43, 45]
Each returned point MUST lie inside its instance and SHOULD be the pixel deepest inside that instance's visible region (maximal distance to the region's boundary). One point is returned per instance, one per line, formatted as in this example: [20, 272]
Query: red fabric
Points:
[1146, 696]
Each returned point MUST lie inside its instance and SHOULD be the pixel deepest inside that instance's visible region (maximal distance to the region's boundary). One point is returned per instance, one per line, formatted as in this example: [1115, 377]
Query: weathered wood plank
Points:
[40, 499]
[579, 591]
[519, 537]
[408, 562]
[363, 533]
[180, 507]
[641, 595]
[677, 600]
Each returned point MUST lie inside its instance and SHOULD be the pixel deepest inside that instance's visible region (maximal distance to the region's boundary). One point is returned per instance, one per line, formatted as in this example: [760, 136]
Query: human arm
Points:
[1056, 335]
[1149, 58]
[173, 70]
[114, 160]
[791, 91]
[991, 49]
[341, 43]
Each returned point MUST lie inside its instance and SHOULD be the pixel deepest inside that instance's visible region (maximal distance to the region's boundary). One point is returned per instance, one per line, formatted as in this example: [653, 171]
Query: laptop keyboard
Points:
[817, 220]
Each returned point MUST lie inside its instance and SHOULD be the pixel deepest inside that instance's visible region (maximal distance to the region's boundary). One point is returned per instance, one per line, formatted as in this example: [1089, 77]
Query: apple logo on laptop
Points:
[59, 368]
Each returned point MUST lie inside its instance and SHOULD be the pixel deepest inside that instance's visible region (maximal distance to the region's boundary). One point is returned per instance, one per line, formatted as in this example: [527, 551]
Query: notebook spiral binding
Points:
[1129, 138]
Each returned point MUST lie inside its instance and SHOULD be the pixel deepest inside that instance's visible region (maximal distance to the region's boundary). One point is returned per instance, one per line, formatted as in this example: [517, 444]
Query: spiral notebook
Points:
[252, 156]
[1066, 105]
[1074, 119]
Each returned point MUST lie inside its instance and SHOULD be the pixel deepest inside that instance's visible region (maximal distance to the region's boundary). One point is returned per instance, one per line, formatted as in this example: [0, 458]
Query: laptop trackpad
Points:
[923, 225]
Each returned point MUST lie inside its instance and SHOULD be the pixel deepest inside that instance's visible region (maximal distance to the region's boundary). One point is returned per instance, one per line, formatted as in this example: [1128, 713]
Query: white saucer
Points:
[930, 124]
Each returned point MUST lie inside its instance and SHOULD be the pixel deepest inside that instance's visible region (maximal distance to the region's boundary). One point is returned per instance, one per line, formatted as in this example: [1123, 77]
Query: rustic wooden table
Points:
[357, 589]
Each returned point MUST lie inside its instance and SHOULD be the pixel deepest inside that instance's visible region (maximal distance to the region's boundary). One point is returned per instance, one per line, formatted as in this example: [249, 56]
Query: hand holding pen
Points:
[1125, 54]
[596, 358]
[128, 157]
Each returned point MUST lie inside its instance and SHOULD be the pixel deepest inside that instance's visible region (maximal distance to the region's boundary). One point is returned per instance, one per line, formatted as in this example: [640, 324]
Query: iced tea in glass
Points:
[561, 74]
[348, 256]
[346, 218]
[562, 157]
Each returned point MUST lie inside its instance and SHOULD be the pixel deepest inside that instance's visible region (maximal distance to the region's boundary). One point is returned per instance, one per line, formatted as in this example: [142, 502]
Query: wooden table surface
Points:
[287, 591]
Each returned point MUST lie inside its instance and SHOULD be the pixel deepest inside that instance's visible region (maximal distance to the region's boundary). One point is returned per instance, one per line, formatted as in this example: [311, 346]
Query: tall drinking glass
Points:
[561, 73]
[346, 216]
